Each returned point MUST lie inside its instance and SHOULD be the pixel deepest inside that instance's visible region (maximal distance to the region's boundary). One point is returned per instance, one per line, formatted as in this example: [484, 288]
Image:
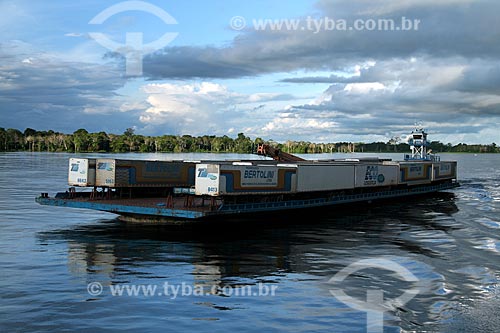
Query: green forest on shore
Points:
[83, 141]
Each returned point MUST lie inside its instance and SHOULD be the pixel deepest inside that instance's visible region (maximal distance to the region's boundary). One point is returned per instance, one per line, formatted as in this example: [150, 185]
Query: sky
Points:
[319, 71]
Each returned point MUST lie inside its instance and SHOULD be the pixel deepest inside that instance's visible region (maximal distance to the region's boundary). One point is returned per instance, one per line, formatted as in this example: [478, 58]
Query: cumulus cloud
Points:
[391, 95]
[203, 108]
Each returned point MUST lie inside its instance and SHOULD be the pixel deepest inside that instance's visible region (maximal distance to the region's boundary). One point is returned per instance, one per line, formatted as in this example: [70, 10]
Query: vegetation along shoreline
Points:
[101, 142]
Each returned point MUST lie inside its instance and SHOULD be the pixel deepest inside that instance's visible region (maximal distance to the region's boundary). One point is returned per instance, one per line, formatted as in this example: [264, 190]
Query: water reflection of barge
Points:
[181, 191]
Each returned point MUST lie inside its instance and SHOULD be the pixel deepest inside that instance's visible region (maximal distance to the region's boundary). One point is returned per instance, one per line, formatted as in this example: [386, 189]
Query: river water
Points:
[62, 269]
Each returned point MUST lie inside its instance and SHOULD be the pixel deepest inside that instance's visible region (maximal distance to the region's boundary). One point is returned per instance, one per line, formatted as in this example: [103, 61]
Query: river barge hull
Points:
[194, 208]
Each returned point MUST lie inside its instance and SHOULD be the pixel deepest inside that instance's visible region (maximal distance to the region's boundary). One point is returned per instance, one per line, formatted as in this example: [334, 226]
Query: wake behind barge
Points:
[189, 191]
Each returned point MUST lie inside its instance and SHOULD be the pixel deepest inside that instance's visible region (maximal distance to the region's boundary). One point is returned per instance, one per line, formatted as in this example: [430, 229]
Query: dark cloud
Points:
[467, 29]
[42, 91]
[479, 76]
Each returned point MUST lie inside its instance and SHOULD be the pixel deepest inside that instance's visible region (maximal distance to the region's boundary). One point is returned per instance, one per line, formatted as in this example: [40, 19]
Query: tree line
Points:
[83, 141]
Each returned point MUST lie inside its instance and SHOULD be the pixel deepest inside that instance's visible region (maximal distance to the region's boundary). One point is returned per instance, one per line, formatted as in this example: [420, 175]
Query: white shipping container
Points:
[105, 174]
[372, 175]
[207, 179]
[324, 177]
[81, 172]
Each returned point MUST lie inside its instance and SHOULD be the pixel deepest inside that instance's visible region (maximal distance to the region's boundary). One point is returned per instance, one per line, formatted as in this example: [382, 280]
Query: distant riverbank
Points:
[81, 141]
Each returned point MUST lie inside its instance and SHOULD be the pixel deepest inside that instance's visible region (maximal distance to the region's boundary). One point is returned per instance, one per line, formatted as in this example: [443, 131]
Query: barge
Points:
[189, 191]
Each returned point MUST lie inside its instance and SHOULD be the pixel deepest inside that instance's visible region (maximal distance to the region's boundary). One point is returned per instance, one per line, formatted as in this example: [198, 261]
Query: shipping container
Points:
[142, 173]
[243, 178]
[82, 172]
[325, 176]
[372, 175]
[444, 170]
[413, 173]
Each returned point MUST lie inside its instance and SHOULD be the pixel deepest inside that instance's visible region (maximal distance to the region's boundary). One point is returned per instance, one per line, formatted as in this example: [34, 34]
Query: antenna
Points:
[419, 125]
